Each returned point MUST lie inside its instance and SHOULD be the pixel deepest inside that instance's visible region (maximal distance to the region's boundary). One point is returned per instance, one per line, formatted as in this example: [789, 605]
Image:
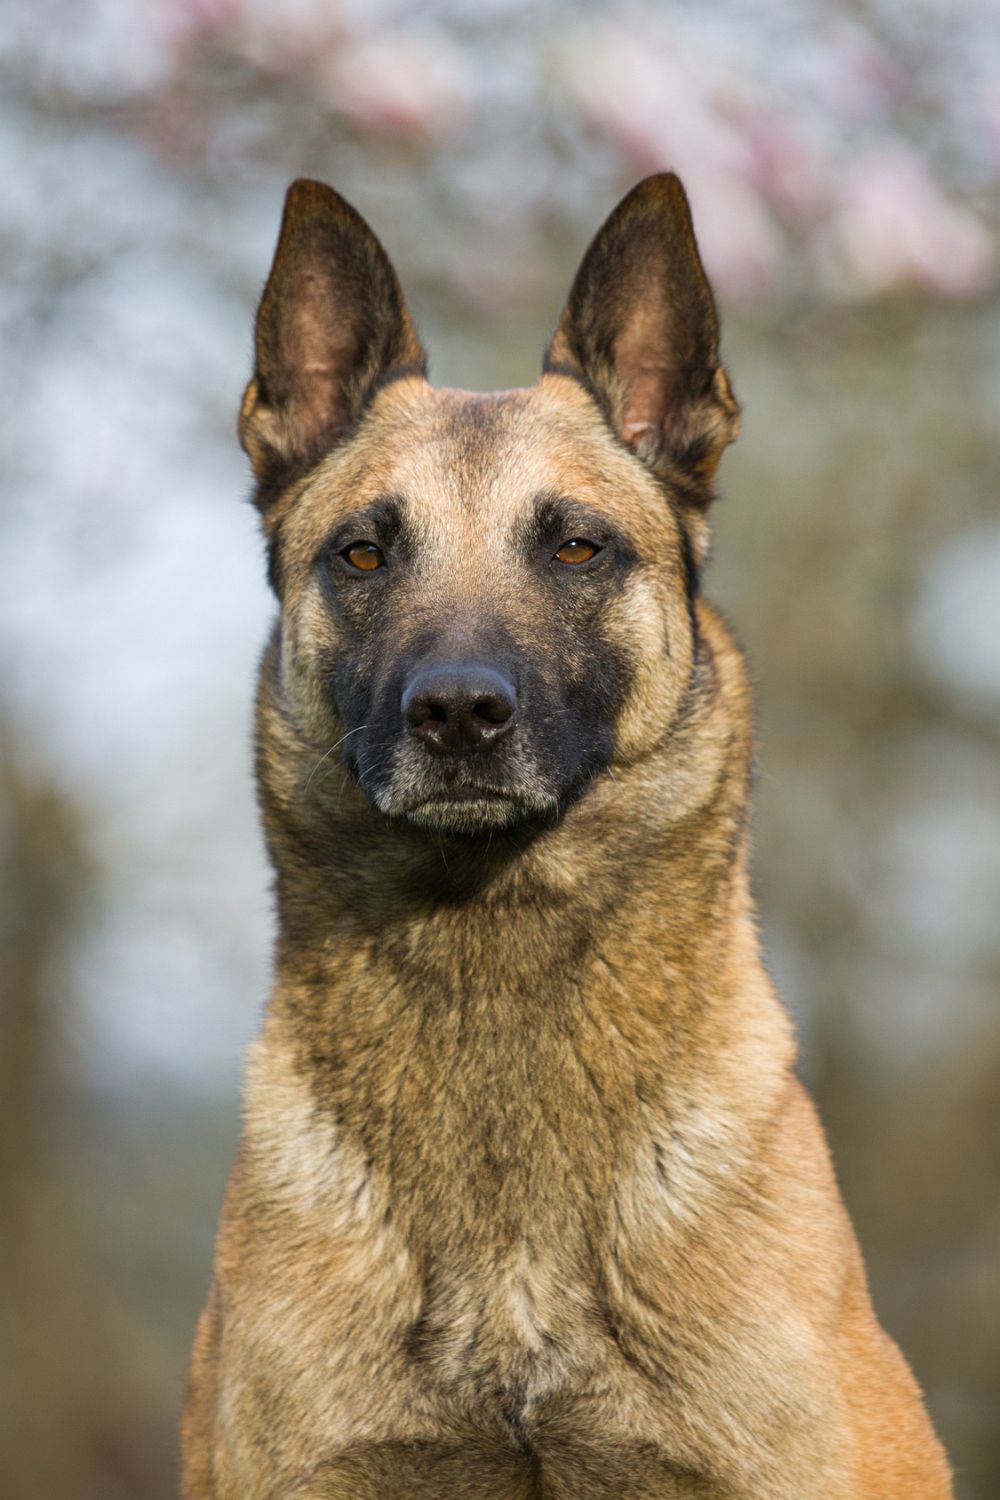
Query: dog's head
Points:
[486, 601]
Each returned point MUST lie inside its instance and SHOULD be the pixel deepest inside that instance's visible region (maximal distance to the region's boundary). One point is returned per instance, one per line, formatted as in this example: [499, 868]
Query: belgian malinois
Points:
[530, 1202]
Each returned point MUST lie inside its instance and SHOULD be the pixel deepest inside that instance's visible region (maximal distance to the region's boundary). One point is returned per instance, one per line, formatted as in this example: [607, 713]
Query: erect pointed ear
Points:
[331, 323]
[640, 327]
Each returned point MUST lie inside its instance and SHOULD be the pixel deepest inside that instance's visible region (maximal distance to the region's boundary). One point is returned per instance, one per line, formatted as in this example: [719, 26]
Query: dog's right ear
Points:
[331, 324]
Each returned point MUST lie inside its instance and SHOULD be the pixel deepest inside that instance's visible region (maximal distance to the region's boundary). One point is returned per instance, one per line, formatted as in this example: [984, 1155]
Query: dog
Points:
[530, 1201]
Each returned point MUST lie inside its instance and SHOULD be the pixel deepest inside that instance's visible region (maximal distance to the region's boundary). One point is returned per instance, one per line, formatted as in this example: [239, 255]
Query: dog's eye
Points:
[577, 550]
[364, 556]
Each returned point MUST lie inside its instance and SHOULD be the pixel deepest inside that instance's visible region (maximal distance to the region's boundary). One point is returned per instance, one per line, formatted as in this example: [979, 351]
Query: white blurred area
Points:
[843, 166]
[136, 607]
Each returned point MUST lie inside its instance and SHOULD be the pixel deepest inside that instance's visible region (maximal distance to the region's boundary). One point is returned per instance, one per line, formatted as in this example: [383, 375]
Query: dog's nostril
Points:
[495, 710]
[425, 713]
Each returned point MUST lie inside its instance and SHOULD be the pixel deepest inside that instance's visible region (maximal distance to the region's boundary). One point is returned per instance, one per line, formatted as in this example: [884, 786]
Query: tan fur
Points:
[529, 1201]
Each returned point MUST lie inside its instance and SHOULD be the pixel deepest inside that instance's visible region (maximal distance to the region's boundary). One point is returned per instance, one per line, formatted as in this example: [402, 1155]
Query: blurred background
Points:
[843, 161]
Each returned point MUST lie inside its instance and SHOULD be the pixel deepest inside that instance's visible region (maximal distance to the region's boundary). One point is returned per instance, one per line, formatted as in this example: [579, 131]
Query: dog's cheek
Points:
[651, 627]
[311, 642]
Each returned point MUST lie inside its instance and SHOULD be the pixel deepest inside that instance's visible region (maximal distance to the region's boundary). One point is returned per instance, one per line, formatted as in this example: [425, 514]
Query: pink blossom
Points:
[740, 242]
[789, 168]
[650, 103]
[659, 116]
[182, 23]
[894, 227]
[851, 76]
[284, 36]
[398, 84]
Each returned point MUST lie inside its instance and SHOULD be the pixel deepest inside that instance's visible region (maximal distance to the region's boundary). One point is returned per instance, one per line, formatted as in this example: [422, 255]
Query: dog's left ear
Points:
[641, 329]
[332, 322]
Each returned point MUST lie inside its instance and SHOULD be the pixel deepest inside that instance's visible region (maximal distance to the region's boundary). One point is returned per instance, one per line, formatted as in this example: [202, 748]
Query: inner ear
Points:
[331, 324]
[640, 327]
[647, 374]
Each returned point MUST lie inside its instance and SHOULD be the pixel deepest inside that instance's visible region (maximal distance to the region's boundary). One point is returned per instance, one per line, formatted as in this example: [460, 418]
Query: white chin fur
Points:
[477, 816]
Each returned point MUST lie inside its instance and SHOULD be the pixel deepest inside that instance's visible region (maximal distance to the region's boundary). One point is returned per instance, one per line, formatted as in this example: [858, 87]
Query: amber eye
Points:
[364, 556]
[577, 550]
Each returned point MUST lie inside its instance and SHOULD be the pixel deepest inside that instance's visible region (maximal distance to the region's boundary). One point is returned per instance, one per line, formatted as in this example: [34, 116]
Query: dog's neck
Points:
[428, 994]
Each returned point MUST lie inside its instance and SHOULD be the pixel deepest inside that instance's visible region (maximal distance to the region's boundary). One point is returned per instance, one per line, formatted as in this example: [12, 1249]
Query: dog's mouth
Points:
[465, 811]
[474, 810]
[453, 798]
[472, 794]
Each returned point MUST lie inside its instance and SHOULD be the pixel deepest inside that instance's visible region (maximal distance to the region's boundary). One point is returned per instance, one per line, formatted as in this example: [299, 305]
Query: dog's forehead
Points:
[493, 453]
[457, 458]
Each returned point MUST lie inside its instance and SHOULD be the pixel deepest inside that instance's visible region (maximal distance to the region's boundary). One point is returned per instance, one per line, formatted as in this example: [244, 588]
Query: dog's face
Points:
[486, 600]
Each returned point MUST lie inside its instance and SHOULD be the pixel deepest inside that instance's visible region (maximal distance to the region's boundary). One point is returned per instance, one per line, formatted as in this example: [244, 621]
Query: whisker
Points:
[326, 755]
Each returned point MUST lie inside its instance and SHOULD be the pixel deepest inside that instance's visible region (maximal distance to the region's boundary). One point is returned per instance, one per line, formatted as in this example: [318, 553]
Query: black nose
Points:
[459, 707]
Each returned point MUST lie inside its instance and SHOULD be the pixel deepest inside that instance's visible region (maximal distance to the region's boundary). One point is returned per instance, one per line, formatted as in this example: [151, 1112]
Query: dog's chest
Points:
[528, 1279]
[508, 1333]
[501, 1172]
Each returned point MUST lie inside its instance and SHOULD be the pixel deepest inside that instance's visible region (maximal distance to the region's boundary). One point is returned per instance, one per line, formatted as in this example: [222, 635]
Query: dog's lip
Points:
[460, 794]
